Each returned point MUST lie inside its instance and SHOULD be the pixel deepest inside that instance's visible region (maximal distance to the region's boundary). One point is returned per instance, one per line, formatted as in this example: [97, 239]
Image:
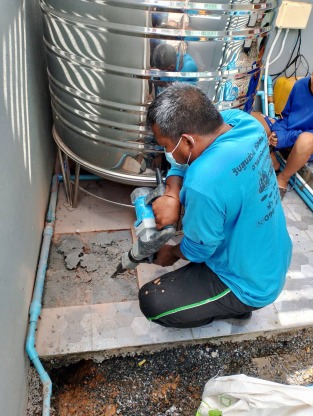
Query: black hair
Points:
[164, 56]
[183, 109]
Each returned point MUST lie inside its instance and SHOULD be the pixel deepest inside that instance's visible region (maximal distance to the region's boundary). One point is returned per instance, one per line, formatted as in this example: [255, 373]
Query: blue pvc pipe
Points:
[35, 306]
[86, 177]
[262, 95]
[50, 217]
[271, 110]
[270, 93]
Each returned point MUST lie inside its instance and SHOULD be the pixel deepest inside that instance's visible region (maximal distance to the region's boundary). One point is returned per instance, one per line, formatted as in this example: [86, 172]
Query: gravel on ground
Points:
[171, 381]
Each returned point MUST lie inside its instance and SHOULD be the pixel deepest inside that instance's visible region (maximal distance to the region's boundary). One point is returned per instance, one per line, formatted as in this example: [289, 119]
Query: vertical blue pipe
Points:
[35, 306]
[270, 93]
[262, 95]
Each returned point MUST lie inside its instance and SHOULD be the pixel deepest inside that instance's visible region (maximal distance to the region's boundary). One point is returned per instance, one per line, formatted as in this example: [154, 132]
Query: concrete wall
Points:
[26, 165]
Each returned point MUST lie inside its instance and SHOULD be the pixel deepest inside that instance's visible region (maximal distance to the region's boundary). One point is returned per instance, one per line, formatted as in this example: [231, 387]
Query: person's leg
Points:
[267, 124]
[275, 162]
[189, 297]
[264, 120]
[298, 157]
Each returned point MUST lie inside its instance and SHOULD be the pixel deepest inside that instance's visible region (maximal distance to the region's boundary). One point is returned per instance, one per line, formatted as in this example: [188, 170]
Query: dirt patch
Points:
[80, 266]
[171, 382]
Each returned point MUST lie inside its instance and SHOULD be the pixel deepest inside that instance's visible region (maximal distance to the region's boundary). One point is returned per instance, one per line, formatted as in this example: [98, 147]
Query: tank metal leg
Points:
[68, 178]
[66, 184]
[76, 185]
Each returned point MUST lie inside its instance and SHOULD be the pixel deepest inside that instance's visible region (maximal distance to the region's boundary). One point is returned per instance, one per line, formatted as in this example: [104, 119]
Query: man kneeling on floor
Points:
[235, 234]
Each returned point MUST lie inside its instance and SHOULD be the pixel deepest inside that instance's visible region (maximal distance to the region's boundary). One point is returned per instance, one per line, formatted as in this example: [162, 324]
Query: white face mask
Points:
[170, 158]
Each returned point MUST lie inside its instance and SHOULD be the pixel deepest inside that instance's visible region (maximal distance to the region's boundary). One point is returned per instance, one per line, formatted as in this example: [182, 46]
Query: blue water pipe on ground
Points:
[83, 177]
[35, 306]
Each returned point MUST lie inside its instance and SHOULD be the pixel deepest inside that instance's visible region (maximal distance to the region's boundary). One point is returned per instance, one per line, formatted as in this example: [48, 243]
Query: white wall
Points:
[306, 50]
[306, 46]
[26, 163]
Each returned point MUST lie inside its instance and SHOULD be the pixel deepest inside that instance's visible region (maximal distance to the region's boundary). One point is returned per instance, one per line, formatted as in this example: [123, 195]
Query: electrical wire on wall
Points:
[295, 62]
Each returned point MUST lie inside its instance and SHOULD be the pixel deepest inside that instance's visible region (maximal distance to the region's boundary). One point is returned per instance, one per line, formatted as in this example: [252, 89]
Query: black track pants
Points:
[189, 297]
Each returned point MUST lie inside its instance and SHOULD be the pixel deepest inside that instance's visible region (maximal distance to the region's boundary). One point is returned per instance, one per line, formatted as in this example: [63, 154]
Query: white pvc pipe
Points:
[281, 49]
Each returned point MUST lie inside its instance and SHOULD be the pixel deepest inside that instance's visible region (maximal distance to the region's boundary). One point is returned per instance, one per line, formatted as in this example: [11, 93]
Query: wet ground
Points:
[171, 382]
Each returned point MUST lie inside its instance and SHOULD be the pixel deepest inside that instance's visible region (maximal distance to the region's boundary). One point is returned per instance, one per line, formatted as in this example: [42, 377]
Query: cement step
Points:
[111, 328]
[115, 328]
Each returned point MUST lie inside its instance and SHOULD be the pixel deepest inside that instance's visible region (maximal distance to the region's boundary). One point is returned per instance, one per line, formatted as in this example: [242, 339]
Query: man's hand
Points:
[272, 139]
[167, 208]
[166, 211]
[166, 256]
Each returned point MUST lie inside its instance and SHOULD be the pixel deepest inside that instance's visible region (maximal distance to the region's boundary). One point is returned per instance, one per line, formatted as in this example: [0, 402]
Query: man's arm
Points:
[203, 231]
[285, 137]
[167, 208]
[288, 106]
[282, 123]
[168, 255]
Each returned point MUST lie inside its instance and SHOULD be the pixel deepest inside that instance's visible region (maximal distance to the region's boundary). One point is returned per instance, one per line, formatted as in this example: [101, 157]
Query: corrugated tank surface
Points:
[103, 73]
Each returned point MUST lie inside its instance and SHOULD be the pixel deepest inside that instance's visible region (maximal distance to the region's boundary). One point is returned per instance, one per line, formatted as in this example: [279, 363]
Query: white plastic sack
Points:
[248, 396]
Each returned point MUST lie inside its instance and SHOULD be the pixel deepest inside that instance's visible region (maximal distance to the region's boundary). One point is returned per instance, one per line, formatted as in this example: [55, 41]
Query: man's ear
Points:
[189, 140]
[172, 67]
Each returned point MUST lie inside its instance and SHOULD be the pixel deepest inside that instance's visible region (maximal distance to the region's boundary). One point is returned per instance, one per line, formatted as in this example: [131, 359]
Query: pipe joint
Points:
[34, 310]
[47, 386]
[48, 230]
[32, 353]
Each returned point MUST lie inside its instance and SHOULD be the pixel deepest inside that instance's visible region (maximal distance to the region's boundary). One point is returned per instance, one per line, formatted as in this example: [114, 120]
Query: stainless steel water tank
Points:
[101, 74]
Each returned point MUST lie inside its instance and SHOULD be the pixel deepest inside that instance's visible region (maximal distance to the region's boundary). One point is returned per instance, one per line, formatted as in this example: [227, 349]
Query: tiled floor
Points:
[120, 326]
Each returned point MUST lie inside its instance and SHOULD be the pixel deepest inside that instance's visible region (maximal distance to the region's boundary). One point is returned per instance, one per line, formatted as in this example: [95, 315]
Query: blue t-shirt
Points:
[297, 116]
[188, 65]
[234, 221]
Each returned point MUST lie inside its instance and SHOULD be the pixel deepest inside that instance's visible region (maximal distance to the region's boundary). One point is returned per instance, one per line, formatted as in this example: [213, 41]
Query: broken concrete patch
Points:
[80, 267]
[69, 244]
[103, 239]
[72, 259]
[91, 262]
[112, 251]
